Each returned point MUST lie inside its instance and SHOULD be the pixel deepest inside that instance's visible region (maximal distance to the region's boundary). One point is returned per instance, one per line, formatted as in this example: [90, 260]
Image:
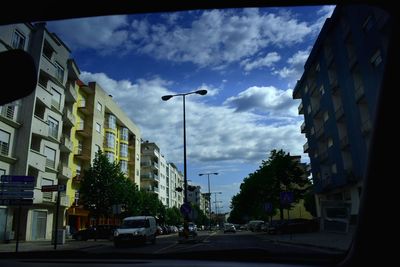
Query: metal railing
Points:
[4, 148]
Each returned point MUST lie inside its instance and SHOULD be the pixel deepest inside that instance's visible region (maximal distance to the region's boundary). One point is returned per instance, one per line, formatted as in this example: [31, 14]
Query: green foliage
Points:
[103, 186]
[199, 217]
[277, 174]
[309, 203]
[173, 216]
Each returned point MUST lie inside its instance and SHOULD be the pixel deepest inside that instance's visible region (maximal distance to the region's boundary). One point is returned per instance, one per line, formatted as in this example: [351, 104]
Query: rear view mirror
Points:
[18, 73]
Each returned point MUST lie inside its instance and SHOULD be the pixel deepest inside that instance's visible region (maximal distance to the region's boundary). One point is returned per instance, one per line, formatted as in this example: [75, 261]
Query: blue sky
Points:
[248, 59]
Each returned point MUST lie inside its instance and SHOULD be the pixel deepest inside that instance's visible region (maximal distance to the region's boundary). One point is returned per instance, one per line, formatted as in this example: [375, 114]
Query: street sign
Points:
[185, 208]
[286, 198]
[49, 188]
[268, 207]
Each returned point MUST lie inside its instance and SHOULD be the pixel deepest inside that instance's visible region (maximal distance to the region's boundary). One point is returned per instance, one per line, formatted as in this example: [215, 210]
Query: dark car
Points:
[293, 226]
[98, 232]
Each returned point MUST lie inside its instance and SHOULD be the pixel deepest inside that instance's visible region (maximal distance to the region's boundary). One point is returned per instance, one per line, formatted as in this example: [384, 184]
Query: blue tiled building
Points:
[339, 89]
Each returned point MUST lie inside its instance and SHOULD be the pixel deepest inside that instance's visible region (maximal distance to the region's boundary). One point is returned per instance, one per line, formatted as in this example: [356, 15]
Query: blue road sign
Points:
[17, 179]
[185, 208]
[286, 198]
[268, 206]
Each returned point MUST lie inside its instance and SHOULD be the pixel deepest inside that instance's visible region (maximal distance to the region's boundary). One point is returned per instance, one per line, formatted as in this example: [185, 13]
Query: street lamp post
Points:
[185, 200]
[209, 194]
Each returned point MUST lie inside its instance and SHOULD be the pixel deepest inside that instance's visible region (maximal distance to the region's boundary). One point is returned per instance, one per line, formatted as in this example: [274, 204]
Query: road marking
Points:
[165, 248]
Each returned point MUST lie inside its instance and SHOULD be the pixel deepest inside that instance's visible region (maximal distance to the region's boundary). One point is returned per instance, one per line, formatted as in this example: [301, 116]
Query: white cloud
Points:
[295, 67]
[323, 13]
[217, 37]
[104, 34]
[211, 91]
[269, 100]
[214, 133]
[266, 61]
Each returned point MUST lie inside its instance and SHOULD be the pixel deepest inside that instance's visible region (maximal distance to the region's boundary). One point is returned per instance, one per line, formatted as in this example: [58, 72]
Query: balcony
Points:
[37, 160]
[68, 117]
[44, 96]
[40, 127]
[149, 176]
[359, 93]
[83, 106]
[82, 153]
[151, 189]
[82, 129]
[70, 93]
[66, 144]
[50, 165]
[64, 172]
[48, 67]
[303, 127]
[9, 115]
[301, 109]
[5, 153]
[344, 142]
[366, 127]
[306, 147]
[339, 112]
[319, 132]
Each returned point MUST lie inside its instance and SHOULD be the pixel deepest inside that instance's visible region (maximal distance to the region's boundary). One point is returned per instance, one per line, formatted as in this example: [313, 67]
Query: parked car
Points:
[98, 232]
[293, 226]
[229, 227]
[255, 226]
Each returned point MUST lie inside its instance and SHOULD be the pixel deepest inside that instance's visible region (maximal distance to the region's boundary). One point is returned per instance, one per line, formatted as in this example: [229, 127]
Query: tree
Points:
[104, 185]
[309, 203]
[173, 216]
[280, 172]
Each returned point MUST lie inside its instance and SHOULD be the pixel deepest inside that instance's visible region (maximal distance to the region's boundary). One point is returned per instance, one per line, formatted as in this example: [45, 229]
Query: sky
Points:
[247, 59]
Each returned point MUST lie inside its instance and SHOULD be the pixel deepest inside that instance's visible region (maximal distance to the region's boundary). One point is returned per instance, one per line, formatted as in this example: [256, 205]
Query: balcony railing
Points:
[4, 148]
[301, 109]
[50, 163]
[303, 127]
[305, 147]
[9, 112]
[53, 132]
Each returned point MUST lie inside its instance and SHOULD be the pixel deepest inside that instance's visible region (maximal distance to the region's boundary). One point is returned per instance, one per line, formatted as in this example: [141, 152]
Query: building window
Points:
[322, 90]
[330, 142]
[56, 99]
[18, 41]
[99, 106]
[110, 140]
[124, 166]
[123, 151]
[326, 116]
[59, 72]
[50, 157]
[368, 24]
[53, 127]
[47, 195]
[110, 156]
[4, 142]
[376, 58]
[124, 133]
[112, 122]
[98, 127]
[333, 168]
[47, 50]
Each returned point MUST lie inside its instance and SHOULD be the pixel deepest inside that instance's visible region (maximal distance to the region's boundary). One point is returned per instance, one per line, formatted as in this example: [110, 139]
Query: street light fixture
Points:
[209, 193]
[185, 199]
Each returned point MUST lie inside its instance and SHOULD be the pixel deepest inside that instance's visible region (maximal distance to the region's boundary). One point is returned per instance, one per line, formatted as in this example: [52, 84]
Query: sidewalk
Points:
[70, 244]
[325, 240]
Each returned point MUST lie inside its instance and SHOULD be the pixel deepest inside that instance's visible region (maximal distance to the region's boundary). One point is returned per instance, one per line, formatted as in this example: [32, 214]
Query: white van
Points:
[136, 229]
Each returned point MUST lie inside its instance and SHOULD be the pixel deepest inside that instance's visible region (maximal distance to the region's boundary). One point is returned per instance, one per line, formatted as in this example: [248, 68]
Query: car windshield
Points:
[133, 224]
[255, 119]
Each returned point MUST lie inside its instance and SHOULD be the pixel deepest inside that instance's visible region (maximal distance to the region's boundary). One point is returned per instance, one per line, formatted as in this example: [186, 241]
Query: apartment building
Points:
[174, 180]
[160, 177]
[338, 92]
[99, 124]
[31, 130]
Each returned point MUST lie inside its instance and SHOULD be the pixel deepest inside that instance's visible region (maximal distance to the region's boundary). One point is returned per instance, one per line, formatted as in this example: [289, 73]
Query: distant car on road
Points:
[192, 230]
[98, 232]
[229, 227]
